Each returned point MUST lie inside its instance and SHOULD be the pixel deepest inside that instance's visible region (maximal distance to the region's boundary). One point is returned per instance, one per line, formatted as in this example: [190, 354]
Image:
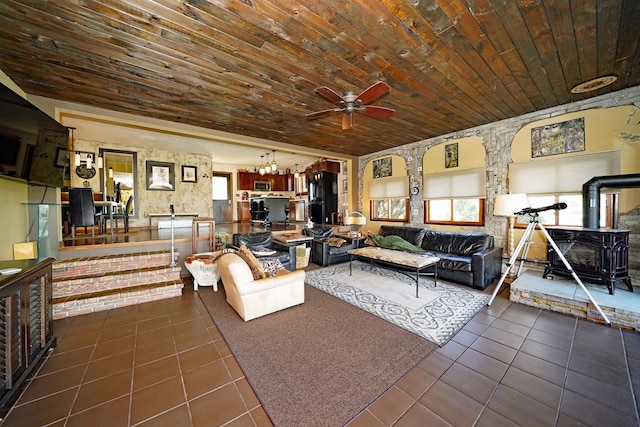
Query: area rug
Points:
[317, 364]
[437, 315]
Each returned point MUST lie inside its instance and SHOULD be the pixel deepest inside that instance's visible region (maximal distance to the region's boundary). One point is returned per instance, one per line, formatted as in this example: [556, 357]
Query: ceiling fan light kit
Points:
[351, 103]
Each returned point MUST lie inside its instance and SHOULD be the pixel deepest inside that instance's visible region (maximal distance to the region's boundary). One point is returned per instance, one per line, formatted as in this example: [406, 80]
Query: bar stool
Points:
[195, 229]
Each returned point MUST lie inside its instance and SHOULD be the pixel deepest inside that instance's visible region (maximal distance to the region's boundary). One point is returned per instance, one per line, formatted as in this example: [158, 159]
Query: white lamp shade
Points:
[509, 204]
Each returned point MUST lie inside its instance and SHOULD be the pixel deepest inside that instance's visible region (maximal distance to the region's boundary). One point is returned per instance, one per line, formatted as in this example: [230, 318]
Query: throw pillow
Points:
[256, 268]
[336, 242]
[262, 251]
[271, 266]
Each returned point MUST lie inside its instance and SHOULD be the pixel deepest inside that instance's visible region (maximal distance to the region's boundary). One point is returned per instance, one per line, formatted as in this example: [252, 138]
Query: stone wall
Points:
[497, 139]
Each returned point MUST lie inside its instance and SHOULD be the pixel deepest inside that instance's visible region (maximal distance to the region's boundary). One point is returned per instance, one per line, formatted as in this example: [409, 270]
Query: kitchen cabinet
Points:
[281, 182]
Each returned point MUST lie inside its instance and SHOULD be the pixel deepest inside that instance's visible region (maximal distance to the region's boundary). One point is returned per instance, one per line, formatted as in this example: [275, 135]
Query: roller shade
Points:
[563, 174]
[452, 185]
[388, 188]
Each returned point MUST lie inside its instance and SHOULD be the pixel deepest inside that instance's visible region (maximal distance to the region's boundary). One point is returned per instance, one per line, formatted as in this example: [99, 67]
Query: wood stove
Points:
[599, 256]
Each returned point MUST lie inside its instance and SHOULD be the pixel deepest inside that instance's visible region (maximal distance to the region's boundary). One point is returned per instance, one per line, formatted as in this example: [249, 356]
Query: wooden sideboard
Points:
[26, 324]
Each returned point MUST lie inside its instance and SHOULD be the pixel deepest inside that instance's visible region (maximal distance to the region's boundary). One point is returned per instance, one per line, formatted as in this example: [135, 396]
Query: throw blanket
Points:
[394, 242]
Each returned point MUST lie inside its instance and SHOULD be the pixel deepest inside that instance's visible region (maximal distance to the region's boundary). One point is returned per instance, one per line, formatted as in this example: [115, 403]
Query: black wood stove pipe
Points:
[591, 195]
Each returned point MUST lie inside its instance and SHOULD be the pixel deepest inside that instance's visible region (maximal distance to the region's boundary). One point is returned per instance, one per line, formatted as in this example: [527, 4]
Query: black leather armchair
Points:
[322, 253]
[259, 242]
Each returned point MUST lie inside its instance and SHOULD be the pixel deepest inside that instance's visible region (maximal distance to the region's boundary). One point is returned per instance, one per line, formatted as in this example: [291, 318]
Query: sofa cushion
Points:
[262, 239]
[318, 233]
[452, 261]
[413, 235]
[256, 267]
[456, 243]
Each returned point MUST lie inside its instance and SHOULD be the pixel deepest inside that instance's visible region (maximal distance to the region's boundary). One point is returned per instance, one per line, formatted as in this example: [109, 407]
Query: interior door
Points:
[222, 208]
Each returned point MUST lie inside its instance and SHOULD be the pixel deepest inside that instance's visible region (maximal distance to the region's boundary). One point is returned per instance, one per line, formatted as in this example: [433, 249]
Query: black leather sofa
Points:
[259, 242]
[322, 253]
[466, 258]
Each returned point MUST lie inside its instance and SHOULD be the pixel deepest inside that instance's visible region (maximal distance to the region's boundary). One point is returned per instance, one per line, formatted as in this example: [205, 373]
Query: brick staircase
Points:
[90, 284]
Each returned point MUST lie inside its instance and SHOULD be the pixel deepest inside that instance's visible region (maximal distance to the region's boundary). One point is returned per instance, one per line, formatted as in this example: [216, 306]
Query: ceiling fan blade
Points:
[347, 121]
[322, 113]
[329, 94]
[379, 112]
[373, 92]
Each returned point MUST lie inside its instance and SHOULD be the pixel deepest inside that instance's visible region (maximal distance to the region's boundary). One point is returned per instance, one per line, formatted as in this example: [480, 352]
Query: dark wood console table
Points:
[26, 324]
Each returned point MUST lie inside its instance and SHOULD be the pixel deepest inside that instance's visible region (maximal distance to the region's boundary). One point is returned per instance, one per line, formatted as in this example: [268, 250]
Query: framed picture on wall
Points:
[451, 155]
[189, 174]
[344, 186]
[61, 157]
[382, 167]
[558, 138]
[161, 176]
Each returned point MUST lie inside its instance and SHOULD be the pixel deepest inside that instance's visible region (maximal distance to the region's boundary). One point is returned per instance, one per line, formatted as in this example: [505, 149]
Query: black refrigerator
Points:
[323, 197]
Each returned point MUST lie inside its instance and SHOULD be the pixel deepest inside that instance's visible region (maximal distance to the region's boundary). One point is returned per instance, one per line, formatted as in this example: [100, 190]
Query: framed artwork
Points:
[451, 155]
[61, 157]
[189, 174]
[344, 168]
[161, 176]
[558, 138]
[344, 186]
[382, 167]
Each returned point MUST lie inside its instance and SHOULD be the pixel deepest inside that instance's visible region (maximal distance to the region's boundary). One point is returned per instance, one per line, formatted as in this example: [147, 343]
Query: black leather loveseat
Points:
[262, 246]
[466, 258]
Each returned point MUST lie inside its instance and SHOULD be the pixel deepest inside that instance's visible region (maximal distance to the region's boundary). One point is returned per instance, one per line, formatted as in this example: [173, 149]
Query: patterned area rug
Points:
[437, 315]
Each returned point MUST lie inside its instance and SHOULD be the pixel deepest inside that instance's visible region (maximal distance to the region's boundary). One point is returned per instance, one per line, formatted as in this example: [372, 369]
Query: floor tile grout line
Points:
[626, 362]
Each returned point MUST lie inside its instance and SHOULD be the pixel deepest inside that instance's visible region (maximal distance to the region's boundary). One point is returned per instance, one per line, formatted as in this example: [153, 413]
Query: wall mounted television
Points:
[33, 146]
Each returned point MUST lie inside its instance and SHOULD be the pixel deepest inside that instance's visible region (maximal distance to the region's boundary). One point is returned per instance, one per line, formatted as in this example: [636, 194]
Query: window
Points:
[572, 215]
[390, 209]
[455, 211]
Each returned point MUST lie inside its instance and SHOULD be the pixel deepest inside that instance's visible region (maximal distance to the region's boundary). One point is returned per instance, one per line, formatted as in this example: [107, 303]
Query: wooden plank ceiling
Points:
[250, 66]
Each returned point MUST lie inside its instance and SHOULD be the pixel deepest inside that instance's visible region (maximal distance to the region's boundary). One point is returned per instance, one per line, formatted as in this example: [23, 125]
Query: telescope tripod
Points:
[525, 243]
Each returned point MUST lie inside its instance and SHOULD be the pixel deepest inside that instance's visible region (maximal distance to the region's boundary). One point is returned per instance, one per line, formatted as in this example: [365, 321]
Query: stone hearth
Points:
[566, 296]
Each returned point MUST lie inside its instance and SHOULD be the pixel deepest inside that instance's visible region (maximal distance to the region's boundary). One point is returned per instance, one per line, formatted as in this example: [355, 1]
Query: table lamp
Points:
[507, 205]
[355, 222]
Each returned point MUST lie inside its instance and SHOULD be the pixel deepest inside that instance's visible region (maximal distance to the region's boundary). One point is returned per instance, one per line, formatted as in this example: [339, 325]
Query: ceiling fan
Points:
[350, 103]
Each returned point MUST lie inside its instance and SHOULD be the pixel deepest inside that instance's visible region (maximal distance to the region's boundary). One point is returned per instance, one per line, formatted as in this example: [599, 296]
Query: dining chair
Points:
[82, 210]
[124, 214]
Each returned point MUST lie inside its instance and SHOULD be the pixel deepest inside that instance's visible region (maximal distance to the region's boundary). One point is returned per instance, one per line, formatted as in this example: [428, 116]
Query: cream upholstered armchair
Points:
[253, 298]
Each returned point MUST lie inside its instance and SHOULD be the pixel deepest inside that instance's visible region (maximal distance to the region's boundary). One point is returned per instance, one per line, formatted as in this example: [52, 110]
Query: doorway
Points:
[222, 197]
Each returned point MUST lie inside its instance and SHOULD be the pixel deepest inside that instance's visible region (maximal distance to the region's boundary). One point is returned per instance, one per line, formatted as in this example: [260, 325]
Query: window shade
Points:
[392, 187]
[562, 175]
[458, 184]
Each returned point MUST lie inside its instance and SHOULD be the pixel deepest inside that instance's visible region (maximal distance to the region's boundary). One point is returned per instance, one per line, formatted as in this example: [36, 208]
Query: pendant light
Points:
[261, 170]
[296, 174]
[267, 166]
[274, 165]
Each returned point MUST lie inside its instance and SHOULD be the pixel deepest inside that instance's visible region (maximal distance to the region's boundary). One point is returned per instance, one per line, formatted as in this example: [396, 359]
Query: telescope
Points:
[555, 206]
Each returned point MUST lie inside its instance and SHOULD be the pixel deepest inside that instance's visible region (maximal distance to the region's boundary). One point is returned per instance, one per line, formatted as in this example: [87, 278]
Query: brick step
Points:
[115, 279]
[91, 302]
[86, 285]
[88, 266]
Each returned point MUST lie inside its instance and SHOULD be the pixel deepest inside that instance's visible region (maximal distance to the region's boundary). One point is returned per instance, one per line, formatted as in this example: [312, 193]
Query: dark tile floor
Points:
[165, 363]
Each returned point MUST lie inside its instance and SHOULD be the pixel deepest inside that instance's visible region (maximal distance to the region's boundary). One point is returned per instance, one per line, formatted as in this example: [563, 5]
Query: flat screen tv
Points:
[33, 146]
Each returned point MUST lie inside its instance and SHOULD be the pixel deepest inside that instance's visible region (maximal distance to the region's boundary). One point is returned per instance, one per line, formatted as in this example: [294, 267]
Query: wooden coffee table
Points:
[394, 259]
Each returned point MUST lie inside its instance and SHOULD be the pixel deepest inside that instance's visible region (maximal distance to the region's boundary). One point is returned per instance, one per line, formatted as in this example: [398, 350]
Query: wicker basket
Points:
[302, 256]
